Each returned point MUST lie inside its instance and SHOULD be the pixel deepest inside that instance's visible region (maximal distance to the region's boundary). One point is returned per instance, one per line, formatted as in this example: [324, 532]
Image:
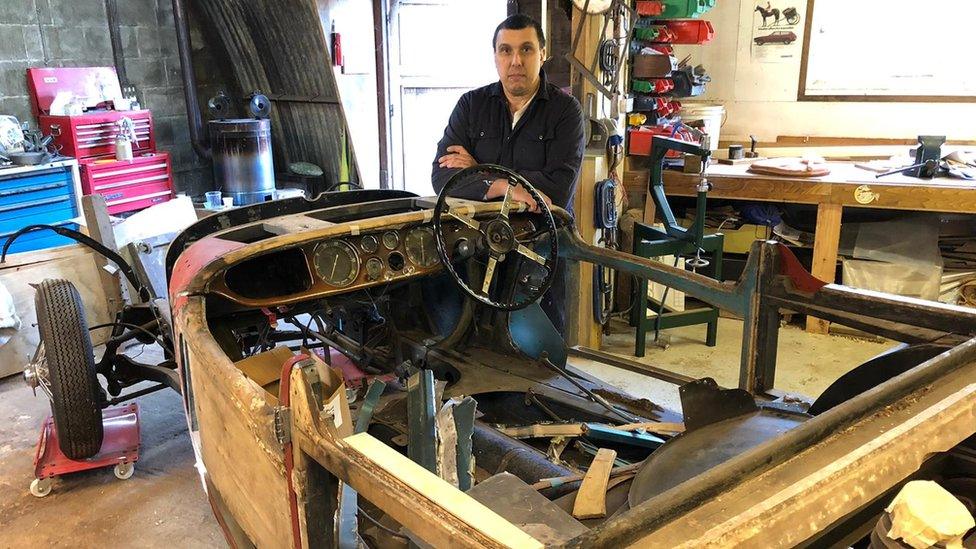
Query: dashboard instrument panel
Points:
[342, 264]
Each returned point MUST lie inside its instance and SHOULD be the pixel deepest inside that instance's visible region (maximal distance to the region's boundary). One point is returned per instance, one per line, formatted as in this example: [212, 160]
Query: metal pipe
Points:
[118, 56]
[382, 90]
[495, 452]
[193, 116]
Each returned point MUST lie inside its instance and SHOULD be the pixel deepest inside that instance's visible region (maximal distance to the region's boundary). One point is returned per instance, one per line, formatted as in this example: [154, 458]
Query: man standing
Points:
[521, 122]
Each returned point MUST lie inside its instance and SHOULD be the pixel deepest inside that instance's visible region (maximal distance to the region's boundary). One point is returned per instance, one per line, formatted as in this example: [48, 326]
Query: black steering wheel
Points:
[497, 239]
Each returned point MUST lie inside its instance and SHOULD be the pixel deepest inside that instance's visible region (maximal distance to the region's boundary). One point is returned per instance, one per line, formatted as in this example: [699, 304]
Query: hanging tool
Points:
[606, 220]
[623, 17]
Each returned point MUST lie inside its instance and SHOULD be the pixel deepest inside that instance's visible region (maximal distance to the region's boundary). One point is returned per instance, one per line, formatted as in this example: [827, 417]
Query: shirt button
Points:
[482, 134]
[541, 137]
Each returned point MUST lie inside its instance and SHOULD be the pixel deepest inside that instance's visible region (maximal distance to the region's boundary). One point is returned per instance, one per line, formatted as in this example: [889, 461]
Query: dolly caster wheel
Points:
[124, 471]
[40, 487]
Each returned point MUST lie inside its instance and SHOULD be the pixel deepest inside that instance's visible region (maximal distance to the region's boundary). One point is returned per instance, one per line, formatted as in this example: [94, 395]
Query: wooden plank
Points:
[653, 427]
[294, 224]
[82, 270]
[650, 209]
[544, 430]
[826, 242]
[437, 489]
[100, 229]
[581, 326]
[39, 256]
[591, 500]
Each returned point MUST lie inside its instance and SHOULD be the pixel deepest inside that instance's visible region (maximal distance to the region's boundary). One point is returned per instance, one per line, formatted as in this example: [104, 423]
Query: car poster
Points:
[777, 30]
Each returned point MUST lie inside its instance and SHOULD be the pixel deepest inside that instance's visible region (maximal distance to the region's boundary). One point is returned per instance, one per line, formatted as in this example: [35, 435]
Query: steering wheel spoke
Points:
[527, 252]
[507, 201]
[489, 275]
[469, 221]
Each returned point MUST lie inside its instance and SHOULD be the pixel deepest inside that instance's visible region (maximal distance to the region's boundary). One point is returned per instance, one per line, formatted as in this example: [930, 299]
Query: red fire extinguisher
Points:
[336, 48]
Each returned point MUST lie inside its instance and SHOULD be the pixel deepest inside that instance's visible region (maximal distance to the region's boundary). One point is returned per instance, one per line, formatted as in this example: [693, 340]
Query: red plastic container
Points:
[639, 139]
[92, 134]
[650, 7]
[129, 185]
[690, 31]
[665, 35]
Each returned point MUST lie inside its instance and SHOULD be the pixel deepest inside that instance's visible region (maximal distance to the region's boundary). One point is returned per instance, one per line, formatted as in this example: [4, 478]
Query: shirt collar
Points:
[542, 93]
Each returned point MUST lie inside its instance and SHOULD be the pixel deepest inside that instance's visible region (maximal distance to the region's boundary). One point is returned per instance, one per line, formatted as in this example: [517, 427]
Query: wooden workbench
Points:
[845, 186]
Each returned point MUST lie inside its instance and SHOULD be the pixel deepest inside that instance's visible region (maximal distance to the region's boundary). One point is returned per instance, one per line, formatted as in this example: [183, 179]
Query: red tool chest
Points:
[129, 185]
[92, 134]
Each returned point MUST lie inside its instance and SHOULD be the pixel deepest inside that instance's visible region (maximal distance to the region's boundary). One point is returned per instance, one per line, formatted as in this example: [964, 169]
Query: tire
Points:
[75, 391]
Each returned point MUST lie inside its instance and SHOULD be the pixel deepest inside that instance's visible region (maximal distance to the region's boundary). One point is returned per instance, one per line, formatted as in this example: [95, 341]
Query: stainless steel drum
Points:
[242, 162]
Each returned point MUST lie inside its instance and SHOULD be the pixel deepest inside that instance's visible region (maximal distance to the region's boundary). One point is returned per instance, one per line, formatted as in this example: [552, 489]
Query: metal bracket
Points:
[282, 424]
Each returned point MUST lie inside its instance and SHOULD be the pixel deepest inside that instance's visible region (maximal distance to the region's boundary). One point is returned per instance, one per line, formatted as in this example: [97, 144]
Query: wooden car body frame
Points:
[275, 468]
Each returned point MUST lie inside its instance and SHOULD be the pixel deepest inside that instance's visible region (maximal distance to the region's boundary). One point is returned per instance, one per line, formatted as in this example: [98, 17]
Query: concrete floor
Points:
[163, 504]
[806, 363]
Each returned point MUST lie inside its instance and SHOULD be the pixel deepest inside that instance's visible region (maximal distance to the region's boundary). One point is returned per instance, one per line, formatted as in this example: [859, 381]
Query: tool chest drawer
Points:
[129, 185]
[93, 135]
[42, 195]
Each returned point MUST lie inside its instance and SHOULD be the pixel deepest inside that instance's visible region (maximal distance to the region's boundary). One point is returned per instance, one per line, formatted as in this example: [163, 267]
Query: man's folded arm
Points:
[456, 133]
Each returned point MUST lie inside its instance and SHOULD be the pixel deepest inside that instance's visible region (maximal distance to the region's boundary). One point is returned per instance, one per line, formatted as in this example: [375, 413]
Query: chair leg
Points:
[711, 333]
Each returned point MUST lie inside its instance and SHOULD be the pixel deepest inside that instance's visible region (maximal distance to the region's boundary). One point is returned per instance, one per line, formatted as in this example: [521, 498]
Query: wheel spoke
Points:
[527, 252]
[489, 275]
[470, 222]
[507, 202]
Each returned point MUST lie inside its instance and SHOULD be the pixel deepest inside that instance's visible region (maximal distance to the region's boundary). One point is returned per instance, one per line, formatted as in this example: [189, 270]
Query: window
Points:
[888, 50]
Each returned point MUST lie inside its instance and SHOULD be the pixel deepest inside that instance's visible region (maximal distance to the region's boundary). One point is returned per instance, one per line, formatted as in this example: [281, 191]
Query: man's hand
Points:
[499, 186]
[457, 157]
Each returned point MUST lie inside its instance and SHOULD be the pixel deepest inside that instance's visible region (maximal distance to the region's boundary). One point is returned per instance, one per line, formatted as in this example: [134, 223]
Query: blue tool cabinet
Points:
[30, 195]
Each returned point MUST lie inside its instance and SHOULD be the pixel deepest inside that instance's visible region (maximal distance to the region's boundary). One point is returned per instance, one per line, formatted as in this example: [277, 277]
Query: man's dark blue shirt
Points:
[545, 146]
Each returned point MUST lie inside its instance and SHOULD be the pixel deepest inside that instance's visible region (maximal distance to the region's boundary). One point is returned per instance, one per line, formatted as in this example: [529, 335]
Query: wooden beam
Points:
[100, 228]
[826, 242]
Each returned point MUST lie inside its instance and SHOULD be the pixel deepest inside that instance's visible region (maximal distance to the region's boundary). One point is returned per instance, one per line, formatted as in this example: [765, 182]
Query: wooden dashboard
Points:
[344, 264]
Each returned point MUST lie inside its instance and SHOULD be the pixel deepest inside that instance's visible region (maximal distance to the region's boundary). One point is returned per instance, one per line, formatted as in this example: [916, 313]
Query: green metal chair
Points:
[650, 242]
[674, 240]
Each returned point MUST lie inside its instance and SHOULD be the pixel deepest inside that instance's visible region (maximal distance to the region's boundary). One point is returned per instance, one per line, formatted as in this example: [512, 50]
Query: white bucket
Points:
[713, 115]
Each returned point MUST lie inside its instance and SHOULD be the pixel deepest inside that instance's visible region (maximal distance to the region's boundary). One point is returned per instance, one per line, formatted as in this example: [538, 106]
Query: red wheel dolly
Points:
[120, 448]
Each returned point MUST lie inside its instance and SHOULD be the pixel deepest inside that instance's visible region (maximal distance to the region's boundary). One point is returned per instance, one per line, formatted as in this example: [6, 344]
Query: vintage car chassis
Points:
[795, 489]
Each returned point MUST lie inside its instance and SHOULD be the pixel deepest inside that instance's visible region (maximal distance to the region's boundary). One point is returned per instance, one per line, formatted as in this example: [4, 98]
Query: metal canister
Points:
[242, 162]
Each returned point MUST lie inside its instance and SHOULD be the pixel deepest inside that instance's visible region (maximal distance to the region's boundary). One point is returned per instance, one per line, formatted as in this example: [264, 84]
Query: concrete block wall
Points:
[71, 33]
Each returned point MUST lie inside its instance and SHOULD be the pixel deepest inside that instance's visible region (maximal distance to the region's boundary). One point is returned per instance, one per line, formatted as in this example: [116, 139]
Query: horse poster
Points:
[777, 28]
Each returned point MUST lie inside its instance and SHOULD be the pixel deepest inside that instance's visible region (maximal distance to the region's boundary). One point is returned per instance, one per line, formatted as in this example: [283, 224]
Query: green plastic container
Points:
[641, 86]
[648, 33]
[683, 9]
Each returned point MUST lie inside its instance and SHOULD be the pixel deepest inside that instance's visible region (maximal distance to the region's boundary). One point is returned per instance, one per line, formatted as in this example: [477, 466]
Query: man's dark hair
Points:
[519, 21]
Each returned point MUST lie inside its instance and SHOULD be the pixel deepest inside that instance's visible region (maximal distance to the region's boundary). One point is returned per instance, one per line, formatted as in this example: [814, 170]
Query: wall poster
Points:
[777, 31]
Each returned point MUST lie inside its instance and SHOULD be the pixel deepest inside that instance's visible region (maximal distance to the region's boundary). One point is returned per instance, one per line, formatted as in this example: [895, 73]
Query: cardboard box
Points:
[265, 370]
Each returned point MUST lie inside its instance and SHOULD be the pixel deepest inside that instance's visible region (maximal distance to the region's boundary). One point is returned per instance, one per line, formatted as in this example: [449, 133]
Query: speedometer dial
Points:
[337, 263]
[421, 250]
